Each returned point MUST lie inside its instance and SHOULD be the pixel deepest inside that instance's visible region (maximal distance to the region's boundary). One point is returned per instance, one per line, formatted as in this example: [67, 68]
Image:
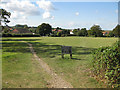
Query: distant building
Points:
[20, 31]
[105, 33]
[56, 30]
[71, 32]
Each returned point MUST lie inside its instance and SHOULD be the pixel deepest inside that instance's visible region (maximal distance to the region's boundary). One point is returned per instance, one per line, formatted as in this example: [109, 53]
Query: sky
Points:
[64, 14]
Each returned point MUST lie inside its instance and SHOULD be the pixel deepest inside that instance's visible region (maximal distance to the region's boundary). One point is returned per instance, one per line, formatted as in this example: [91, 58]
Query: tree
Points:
[59, 34]
[44, 29]
[32, 29]
[111, 34]
[21, 26]
[66, 32]
[4, 15]
[75, 31]
[116, 31]
[82, 32]
[96, 31]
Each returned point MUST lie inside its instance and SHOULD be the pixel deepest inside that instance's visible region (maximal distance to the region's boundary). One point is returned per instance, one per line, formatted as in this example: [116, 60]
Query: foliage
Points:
[4, 16]
[66, 32]
[82, 32]
[95, 31]
[21, 26]
[32, 29]
[44, 29]
[5, 29]
[75, 31]
[116, 31]
[59, 34]
[19, 35]
[106, 64]
[111, 34]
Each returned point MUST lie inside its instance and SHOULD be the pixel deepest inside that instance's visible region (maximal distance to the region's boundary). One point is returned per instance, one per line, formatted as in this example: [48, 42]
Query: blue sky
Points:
[67, 15]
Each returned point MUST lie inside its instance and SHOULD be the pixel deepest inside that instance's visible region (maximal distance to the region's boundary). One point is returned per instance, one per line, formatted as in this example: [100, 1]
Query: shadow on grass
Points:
[42, 49]
[20, 39]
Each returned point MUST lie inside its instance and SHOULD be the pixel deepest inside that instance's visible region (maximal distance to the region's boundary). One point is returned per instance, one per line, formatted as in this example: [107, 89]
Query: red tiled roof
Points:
[15, 31]
[105, 32]
[59, 30]
[19, 30]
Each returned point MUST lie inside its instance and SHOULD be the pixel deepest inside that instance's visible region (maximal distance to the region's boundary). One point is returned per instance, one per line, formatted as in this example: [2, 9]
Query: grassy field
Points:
[21, 70]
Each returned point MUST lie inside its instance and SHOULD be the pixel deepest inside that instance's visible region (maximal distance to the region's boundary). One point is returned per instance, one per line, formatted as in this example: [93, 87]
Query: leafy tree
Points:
[21, 26]
[111, 34]
[32, 29]
[82, 32]
[4, 15]
[59, 34]
[96, 31]
[44, 29]
[116, 31]
[5, 29]
[26, 26]
[75, 31]
[66, 32]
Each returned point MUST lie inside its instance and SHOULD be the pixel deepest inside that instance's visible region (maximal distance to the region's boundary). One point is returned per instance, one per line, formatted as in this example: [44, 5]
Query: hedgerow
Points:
[106, 64]
[20, 35]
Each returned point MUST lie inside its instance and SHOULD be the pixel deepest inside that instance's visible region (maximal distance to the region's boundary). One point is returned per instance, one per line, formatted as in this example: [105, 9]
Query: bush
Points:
[19, 35]
[106, 64]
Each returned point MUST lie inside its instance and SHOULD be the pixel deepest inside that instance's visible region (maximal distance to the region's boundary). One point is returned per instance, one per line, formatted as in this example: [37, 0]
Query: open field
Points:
[19, 69]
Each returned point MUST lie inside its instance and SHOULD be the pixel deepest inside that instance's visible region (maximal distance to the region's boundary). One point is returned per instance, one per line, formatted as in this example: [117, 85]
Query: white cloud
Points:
[77, 13]
[46, 15]
[25, 7]
[47, 6]
[20, 10]
[52, 17]
[116, 11]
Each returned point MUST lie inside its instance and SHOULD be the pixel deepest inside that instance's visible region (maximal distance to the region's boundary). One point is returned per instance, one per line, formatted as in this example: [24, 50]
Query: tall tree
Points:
[82, 32]
[96, 31]
[4, 15]
[44, 29]
[75, 31]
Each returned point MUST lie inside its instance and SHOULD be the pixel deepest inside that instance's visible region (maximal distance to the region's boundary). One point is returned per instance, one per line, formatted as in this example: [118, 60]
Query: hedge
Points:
[20, 35]
[106, 64]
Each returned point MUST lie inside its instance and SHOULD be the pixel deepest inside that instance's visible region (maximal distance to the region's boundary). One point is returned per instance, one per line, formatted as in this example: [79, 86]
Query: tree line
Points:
[46, 29]
[96, 31]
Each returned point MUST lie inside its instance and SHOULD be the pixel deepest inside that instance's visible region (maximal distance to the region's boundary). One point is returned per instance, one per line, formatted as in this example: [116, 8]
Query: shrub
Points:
[106, 64]
[19, 35]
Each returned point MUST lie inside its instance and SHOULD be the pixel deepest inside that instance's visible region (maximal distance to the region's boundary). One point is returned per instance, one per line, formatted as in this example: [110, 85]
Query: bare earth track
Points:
[56, 81]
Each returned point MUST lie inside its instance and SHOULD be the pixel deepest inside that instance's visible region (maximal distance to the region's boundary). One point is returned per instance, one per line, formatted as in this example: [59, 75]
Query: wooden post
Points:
[62, 55]
[71, 56]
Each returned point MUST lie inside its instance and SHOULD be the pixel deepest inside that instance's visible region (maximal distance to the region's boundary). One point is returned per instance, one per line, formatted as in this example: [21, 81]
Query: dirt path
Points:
[56, 81]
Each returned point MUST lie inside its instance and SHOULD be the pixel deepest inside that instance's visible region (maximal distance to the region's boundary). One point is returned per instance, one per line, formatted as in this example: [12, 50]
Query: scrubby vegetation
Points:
[106, 64]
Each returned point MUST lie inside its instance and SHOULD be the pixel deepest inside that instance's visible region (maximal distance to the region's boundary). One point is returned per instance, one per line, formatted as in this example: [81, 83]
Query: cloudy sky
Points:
[64, 14]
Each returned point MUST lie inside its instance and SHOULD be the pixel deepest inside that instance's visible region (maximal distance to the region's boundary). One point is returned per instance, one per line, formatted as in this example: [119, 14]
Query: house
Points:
[105, 33]
[20, 31]
[56, 30]
[71, 32]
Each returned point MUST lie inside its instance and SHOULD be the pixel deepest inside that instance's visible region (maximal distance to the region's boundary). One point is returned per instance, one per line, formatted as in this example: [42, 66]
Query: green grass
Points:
[19, 69]
[76, 70]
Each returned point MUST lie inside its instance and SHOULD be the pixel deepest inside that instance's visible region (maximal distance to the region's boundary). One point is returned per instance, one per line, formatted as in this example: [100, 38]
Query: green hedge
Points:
[106, 64]
[20, 35]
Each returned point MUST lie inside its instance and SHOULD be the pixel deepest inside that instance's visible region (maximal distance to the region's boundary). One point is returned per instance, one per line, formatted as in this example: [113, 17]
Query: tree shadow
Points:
[20, 39]
[42, 49]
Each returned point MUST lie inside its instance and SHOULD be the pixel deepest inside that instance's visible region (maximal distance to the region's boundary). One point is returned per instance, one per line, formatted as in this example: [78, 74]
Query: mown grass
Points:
[19, 69]
[75, 70]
